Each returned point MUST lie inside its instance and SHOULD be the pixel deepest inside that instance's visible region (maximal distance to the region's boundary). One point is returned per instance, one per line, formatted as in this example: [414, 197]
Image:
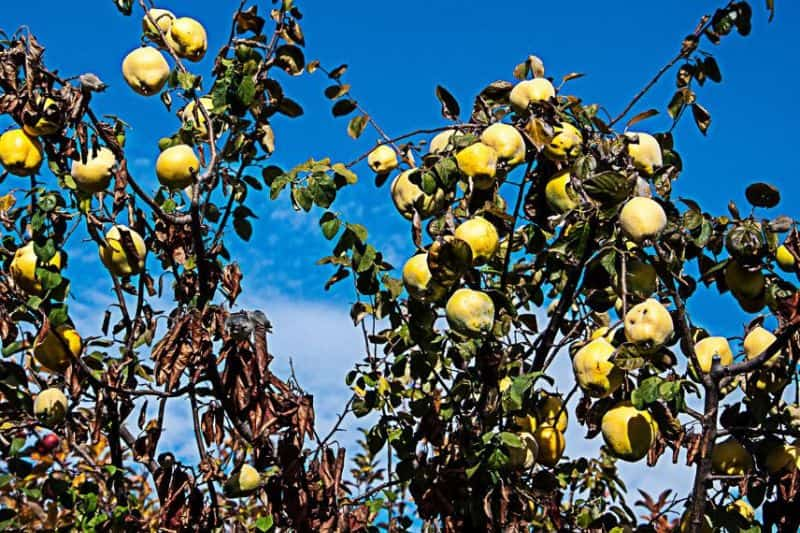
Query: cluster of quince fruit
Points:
[628, 432]
[146, 70]
[541, 431]
[482, 163]
[123, 249]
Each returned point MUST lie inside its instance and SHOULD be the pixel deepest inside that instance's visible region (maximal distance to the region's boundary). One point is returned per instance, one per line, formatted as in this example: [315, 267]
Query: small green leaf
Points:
[278, 184]
[246, 91]
[511, 440]
[348, 175]
[290, 108]
[336, 91]
[359, 231]
[367, 259]
[16, 445]
[291, 59]
[647, 392]
[608, 186]
[450, 107]
[701, 117]
[336, 73]
[356, 126]
[763, 195]
[302, 198]
[188, 81]
[330, 224]
[243, 228]
[58, 315]
[264, 523]
[343, 107]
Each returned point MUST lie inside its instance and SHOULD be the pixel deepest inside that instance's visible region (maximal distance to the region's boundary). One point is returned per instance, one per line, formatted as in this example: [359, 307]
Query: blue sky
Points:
[397, 53]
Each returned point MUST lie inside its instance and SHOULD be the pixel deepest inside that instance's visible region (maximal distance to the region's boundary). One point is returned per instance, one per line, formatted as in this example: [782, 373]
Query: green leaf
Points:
[367, 259]
[246, 91]
[330, 224]
[341, 170]
[290, 108]
[668, 390]
[58, 315]
[291, 59]
[762, 195]
[446, 170]
[47, 202]
[608, 186]
[640, 117]
[322, 190]
[278, 184]
[302, 198]
[647, 392]
[677, 103]
[335, 91]
[16, 445]
[359, 231]
[711, 68]
[49, 279]
[472, 469]
[45, 253]
[356, 126]
[264, 523]
[701, 117]
[336, 73]
[343, 107]
[125, 6]
[497, 460]
[338, 276]
[243, 228]
[511, 440]
[450, 108]
[188, 81]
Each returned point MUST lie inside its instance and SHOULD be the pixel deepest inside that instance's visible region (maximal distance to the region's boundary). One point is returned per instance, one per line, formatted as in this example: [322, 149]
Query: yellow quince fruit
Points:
[730, 458]
[145, 70]
[479, 162]
[648, 322]
[382, 159]
[177, 167]
[470, 312]
[628, 432]
[50, 406]
[20, 153]
[187, 37]
[407, 195]
[418, 281]
[121, 259]
[565, 143]
[559, 195]
[94, 175]
[594, 372]
[707, 348]
[23, 268]
[506, 141]
[551, 443]
[645, 152]
[642, 219]
[528, 91]
[481, 236]
[59, 346]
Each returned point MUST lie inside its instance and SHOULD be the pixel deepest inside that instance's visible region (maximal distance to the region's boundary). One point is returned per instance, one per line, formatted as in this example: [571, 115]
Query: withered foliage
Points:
[86, 472]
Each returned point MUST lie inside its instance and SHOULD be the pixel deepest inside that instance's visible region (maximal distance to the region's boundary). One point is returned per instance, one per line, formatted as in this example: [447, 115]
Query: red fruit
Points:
[48, 443]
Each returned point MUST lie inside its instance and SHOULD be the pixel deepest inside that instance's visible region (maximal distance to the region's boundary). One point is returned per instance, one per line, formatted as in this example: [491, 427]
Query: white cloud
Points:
[323, 345]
